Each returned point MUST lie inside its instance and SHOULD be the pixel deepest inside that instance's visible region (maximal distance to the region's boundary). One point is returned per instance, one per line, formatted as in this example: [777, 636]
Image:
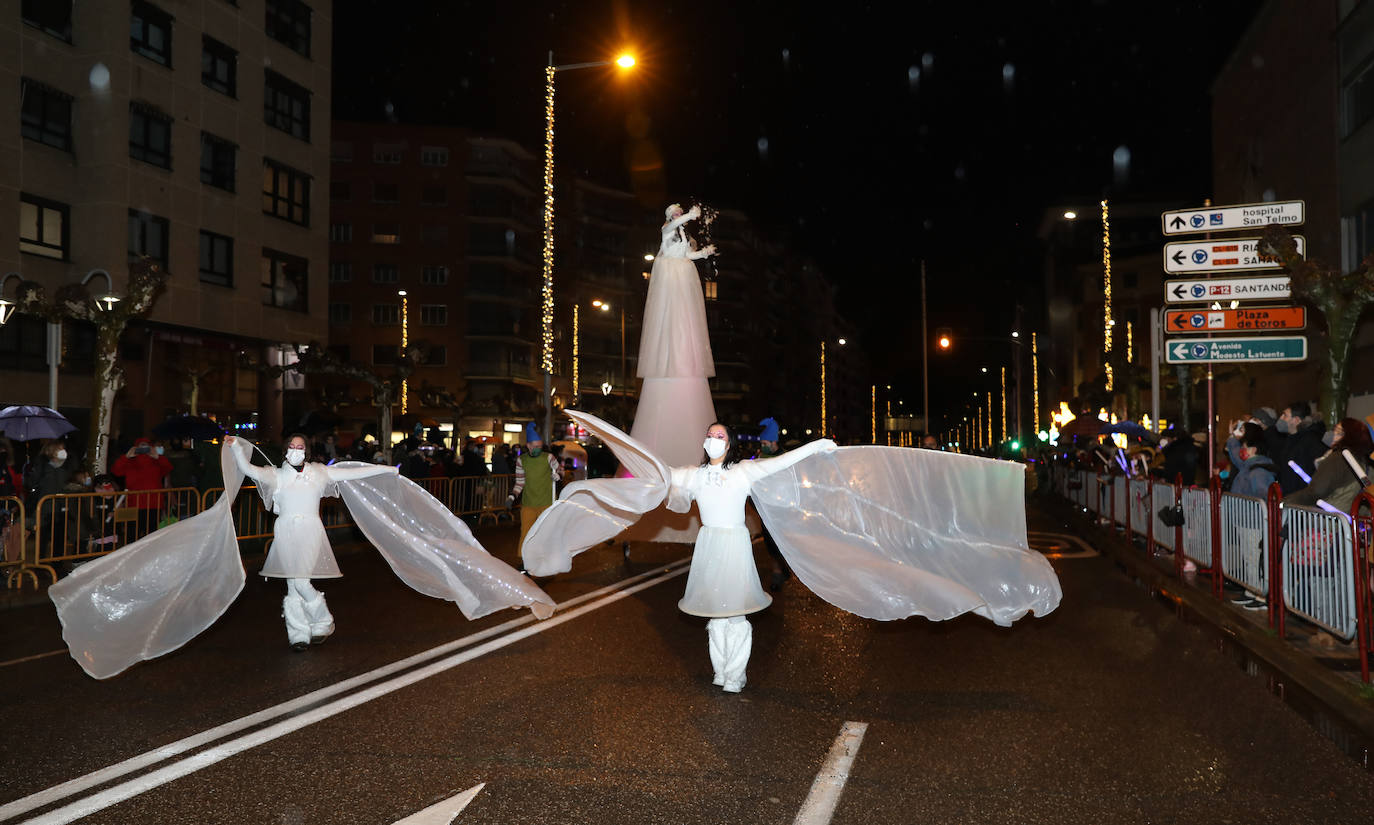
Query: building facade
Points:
[191, 132]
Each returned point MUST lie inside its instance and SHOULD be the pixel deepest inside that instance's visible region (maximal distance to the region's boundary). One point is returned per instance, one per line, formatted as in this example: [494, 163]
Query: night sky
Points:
[868, 135]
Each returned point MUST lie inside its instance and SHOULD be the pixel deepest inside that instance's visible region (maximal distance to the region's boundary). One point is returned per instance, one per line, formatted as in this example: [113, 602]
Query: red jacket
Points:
[145, 471]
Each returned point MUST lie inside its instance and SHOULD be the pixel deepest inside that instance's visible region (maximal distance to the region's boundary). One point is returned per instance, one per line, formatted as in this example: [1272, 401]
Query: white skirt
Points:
[723, 580]
[300, 550]
[674, 342]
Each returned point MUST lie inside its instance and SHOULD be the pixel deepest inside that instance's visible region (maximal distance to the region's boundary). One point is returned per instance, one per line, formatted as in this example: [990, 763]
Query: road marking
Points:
[820, 804]
[444, 812]
[1057, 545]
[34, 656]
[149, 758]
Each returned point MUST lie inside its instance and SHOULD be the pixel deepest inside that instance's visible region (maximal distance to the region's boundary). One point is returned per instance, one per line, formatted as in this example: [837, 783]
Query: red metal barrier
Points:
[1362, 524]
[1178, 528]
[1277, 610]
[1215, 489]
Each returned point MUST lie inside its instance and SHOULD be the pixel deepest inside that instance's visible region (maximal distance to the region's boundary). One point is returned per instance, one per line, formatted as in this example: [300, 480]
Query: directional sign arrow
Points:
[1178, 321]
[443, 813]
[1179, 292]
[1178, 258]
[1180, 351]
[1177, 222]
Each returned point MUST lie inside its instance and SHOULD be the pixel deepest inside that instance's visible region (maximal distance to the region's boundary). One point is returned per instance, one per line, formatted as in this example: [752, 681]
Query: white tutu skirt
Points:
[723, 580]
[300, 550]
[675, 343]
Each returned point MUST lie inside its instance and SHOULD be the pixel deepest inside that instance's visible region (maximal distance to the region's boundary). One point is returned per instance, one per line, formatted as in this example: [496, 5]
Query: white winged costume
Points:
[882, 532]
[155, 595]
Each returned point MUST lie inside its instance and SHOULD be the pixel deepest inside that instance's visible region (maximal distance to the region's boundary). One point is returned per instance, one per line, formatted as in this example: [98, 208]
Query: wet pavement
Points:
[1112, 709]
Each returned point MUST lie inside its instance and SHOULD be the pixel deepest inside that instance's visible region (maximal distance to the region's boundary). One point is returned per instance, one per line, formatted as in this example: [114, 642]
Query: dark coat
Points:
[1303, 448]
[1180, 458]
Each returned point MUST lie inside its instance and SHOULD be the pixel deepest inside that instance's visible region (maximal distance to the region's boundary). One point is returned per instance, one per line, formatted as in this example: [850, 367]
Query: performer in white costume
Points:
[883, 532]
[155, 595]
[674, 362]
[300, 548]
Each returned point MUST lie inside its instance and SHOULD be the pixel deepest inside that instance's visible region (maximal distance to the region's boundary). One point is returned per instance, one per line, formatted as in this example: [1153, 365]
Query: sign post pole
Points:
[1155, 357]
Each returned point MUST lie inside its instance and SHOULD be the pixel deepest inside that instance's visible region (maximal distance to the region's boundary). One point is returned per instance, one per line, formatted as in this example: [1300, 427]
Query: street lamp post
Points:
[546, 314]
[606, 307]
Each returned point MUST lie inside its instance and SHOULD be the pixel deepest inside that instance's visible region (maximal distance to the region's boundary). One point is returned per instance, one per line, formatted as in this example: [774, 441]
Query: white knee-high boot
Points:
[729, 642]
[307, 616]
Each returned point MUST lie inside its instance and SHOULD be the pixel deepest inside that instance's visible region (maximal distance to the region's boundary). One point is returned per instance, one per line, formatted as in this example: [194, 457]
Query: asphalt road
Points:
[1109, 710]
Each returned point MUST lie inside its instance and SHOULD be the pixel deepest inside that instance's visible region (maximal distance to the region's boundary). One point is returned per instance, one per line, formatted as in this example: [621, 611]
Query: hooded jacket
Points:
[1253, 475]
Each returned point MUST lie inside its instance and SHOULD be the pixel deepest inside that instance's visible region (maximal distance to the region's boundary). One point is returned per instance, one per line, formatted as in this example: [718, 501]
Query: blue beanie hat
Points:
[531, 434]
[770, 430]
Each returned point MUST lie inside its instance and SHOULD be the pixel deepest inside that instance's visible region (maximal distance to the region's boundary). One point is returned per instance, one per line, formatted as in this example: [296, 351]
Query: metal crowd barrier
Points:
[68, 527]
[1362, 528]
[1138, 516]
[13, 558]
[1245, 542]
[1161, 496]
[1197, 526]
[1118, 506]
[1318, 568]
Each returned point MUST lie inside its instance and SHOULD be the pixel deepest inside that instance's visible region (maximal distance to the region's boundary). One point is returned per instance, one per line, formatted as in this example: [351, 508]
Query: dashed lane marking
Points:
[820, 804]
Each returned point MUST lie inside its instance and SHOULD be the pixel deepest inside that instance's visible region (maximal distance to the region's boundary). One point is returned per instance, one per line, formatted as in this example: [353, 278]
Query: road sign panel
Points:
[1261, 288]
[1206, 350]
[1234, 216]
[1222, 255]
[1247, 319]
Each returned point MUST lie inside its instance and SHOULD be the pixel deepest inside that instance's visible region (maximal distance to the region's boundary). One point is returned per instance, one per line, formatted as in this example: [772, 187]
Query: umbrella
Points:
[1084, 426]
[571, 449]
[189, 426]
[1127, 428]
[26, 423]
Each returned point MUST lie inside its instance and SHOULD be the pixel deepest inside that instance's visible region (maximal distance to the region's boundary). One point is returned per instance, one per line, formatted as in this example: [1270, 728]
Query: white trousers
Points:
[307, 617]
[729, 641]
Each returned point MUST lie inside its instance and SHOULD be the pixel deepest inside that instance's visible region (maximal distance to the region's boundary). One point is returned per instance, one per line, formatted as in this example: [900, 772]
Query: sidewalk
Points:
[1307, 657]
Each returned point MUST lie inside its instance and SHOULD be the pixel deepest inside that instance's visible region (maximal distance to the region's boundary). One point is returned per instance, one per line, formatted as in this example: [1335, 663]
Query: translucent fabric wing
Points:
[432, 550]
[155, 595]
[887, 532]
[592, 511]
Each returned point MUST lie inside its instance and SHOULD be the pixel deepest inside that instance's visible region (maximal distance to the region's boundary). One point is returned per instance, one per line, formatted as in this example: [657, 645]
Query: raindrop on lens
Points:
[100, 77]
[763, 147]
[913, 77]
[1121, 165]
[1008, 76]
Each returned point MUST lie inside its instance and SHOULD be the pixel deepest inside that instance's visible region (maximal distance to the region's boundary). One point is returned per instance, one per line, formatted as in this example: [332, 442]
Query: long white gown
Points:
[882, 532]
[155, 595]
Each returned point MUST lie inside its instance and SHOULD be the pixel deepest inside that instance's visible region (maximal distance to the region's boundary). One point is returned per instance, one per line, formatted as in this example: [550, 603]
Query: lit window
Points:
[387, 233]
[709, 289]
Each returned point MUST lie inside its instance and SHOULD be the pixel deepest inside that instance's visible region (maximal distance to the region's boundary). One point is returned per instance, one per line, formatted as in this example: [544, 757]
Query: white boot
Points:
[729, 642]
[308, 620]
[297, 625]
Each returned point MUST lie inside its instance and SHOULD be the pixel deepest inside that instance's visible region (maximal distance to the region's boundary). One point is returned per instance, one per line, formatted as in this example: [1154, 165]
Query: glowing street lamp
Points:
[625, 62]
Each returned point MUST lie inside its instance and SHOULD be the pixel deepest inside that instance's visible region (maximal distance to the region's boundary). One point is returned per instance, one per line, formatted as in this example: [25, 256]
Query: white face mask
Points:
[714, 447]
[295, 457]
[61, 455]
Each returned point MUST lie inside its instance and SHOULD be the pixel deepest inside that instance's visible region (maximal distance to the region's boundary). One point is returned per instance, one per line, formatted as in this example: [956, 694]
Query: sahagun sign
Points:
[1209, 350]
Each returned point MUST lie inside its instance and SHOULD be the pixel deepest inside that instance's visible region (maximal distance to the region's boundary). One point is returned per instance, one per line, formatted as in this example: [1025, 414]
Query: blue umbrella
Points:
[26, 423]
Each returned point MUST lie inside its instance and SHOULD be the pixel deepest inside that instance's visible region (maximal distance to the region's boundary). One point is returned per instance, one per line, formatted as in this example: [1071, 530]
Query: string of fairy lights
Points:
[1004, 405]
[1107, 294]
[822, 388]
[1035, 380]
[873, 411]
[546, 358]
[576, 382]
[405, 345]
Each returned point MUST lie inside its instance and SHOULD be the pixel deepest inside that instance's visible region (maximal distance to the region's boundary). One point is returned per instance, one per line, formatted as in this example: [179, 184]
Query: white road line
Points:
[34, 656]
[152, 757]
[820, 804]
[444, 812]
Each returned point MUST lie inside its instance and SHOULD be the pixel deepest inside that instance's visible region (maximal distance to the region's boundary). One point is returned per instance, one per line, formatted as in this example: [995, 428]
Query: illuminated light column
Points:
[873, 407]
[576, 370]
[978, 442]
[989, 441]
[1107, 294]
[1004, 404]
[546, 316]
[822, 388]
[1130, 344]
[405, 343]
[1035, 382]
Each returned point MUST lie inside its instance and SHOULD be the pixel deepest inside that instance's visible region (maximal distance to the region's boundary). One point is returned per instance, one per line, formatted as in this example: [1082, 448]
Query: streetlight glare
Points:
[1070, 215]
[843, 342]
[596, 302]
[625, 61]
[648, 257]
[944, 342]
[1015, 334]
[985, 369]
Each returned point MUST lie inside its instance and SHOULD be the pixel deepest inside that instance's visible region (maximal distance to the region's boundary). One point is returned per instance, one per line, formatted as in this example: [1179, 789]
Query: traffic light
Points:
[944, 338]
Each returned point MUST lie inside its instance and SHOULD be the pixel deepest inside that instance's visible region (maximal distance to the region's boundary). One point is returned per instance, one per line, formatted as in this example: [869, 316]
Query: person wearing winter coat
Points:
[143, 469]
[1334, 482]
[1253, 471]
[1301, 443]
